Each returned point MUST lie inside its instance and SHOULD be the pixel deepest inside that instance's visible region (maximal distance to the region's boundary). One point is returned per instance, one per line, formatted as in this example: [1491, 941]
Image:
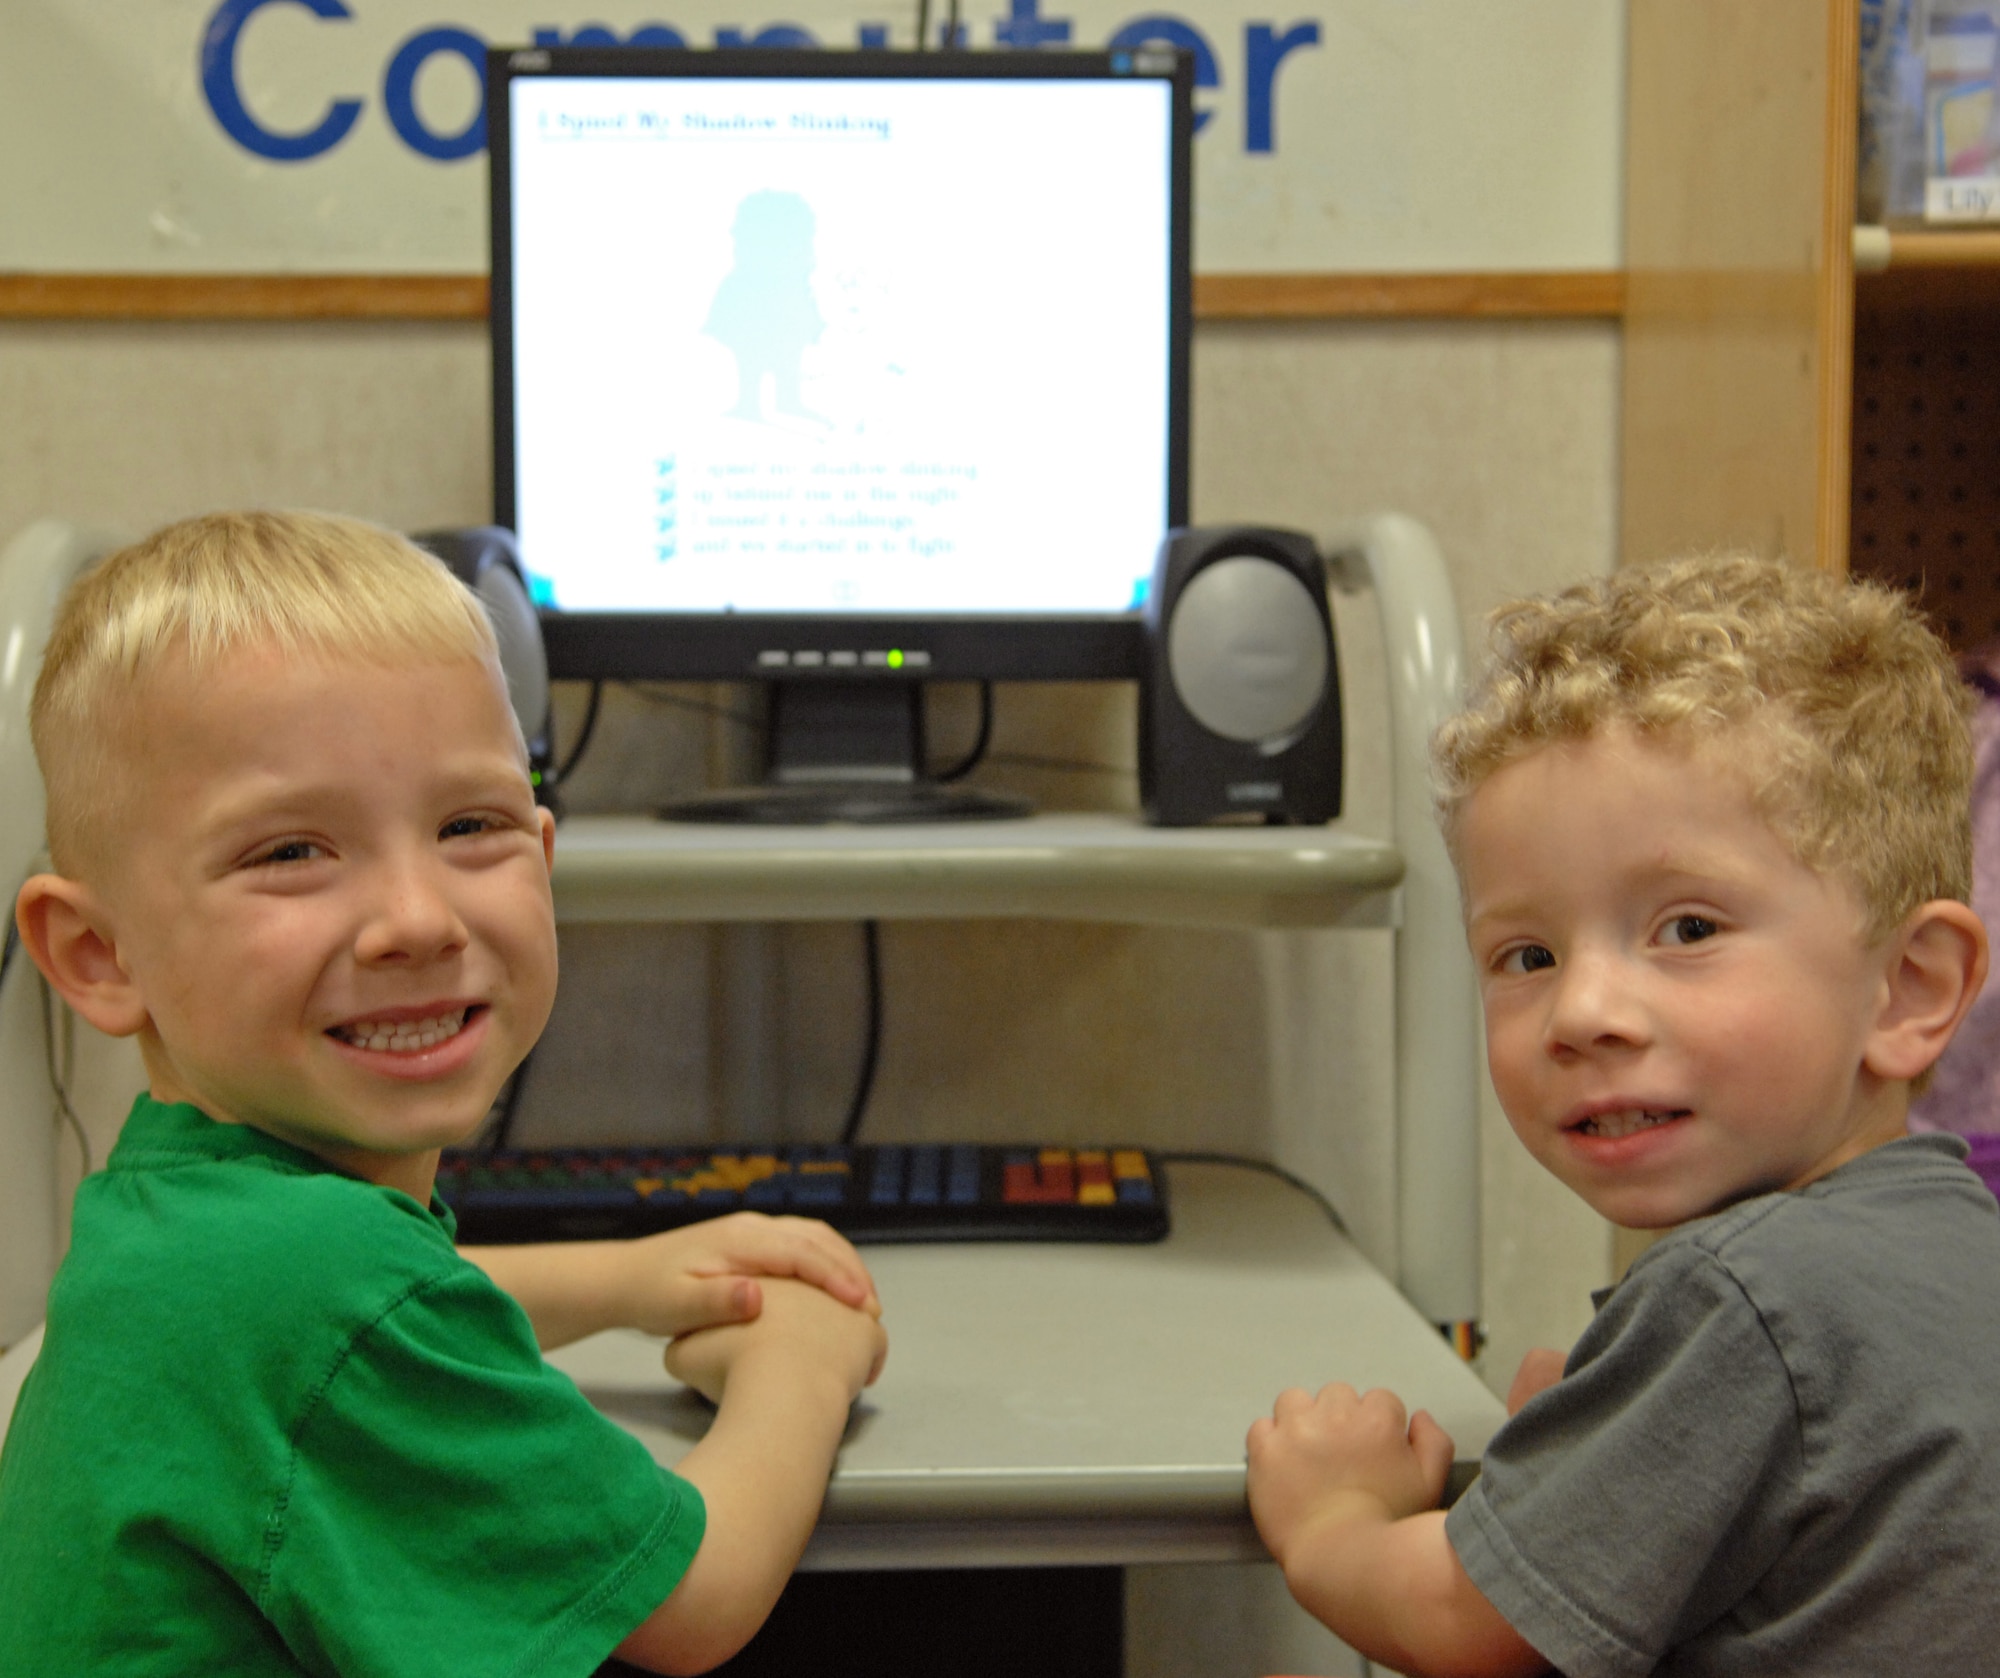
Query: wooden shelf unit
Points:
[1775, 397]
[1739, 214]
[1925, 484]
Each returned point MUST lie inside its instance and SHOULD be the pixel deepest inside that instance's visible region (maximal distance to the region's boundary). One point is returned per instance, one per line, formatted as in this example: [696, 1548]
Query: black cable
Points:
[59, 1069]
[1264, 1165]
[707, 707]
[923, 23]
[871, 1046]
[972, 759]
[583, 739]
[510, 1102]
[10, 947]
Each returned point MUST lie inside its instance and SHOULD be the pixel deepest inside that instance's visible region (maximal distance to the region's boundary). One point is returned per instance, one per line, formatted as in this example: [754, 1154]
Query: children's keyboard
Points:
[886, 1192]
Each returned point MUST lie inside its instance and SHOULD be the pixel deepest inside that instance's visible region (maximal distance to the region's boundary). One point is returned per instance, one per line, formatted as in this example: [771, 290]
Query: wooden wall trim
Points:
[242, 297]
[1571, 294]
[1585, 294]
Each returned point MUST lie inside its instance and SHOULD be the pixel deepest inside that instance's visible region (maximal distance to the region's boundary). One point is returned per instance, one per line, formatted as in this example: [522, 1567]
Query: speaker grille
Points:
[1246, 651]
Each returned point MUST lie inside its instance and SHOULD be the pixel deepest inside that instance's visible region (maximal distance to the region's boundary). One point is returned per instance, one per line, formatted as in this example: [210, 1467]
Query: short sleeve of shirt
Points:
[1674, 1429]
[455, 1505]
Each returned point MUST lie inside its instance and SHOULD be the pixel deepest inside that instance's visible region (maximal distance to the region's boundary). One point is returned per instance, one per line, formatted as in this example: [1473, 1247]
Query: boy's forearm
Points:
[762, 1470]
[569, 1289]
[1394, 1590]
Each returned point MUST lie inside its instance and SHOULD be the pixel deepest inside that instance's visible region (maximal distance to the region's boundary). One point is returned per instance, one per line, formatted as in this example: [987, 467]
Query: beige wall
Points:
[1499, 436]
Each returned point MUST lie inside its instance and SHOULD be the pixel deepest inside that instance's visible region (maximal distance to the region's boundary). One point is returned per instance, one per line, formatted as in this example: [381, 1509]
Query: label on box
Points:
[1962, 198]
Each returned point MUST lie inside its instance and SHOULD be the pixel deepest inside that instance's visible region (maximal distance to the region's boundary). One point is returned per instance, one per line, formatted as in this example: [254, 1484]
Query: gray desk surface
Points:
[1087, 1404]
[1062, 867]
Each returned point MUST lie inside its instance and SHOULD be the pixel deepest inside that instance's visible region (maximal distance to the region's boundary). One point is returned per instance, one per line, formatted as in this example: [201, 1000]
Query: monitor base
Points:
[847, 803]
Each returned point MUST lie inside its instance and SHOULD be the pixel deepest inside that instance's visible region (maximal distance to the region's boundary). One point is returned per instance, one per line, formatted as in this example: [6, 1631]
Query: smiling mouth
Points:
[403, 1037]
[1627, 1121]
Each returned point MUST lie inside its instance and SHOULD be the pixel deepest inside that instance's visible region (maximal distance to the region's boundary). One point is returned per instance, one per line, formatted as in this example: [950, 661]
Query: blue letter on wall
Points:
[218, 83]
[1025, 29]
[777, 35]
[1263, 51]
[399, 93]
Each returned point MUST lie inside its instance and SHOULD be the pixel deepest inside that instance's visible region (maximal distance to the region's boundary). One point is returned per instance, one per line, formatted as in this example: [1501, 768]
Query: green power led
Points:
[895, 658]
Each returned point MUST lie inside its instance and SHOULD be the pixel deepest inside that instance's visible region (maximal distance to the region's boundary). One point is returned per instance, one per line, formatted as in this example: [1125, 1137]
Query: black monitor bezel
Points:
[722, 646]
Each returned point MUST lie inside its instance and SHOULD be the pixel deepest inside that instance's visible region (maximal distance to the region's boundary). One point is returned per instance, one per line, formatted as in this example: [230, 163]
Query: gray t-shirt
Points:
[1777, 1447]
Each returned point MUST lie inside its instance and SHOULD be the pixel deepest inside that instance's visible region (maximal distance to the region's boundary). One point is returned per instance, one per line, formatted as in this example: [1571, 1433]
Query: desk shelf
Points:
[1055, 867]
[1083, 1405]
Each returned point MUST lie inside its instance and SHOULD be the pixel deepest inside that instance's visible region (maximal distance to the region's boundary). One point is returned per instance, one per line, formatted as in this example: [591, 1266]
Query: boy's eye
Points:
[287, 850]
[1528, 958]
[481, 823]
[1688, 929]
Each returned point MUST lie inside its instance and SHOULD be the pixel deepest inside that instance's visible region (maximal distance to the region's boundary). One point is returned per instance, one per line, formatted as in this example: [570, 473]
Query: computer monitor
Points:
[842, 372]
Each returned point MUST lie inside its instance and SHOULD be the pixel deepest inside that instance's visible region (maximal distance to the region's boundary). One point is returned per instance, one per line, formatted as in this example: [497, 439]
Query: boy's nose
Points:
[1596, 1006]
[411, 918]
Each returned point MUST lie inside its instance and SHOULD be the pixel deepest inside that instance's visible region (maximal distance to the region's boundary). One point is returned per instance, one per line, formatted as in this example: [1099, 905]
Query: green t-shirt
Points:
[278, 1425]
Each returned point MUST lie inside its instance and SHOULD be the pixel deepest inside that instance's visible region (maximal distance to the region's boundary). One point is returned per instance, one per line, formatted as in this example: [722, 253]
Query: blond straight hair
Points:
[307, 584]
[1852, 719]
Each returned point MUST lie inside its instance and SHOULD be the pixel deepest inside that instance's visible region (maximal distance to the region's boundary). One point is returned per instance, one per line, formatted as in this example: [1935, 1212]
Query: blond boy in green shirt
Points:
[278, 1424]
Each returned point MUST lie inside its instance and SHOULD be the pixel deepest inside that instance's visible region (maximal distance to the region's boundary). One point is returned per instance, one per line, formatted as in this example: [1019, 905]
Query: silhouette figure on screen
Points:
[764, 313]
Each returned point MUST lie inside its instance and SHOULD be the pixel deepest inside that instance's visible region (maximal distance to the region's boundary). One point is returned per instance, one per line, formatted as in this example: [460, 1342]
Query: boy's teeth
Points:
[403, 1036]
[1627, 1123]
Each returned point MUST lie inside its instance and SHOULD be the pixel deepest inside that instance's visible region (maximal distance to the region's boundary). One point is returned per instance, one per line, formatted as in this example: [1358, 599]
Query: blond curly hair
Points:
[1851, 712]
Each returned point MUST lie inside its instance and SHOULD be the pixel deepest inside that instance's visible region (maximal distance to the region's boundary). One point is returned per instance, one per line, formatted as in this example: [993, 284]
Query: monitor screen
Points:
[815, 361]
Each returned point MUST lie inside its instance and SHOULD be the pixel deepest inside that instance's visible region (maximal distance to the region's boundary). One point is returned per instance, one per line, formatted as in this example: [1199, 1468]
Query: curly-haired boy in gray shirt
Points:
[1711, 822]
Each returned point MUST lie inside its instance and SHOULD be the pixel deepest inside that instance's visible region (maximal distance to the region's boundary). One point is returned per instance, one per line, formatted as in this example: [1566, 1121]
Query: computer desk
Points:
[1086, 1404]
[1073, 1404]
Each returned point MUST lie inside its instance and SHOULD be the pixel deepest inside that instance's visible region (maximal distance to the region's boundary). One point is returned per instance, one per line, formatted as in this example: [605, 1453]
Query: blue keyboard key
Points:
[886, 1187]
[963, 1188]
[926, 1162]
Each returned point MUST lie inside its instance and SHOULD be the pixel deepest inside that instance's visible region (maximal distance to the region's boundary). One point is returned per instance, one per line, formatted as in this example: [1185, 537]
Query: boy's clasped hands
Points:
[717, 1279]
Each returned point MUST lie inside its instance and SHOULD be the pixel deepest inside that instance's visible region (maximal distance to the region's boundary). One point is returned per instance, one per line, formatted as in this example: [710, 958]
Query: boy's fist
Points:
[1339, 1452]
[801, 1328]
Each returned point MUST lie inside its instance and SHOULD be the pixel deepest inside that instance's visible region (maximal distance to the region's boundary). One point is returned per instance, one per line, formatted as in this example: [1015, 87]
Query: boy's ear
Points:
[1937, 963]
[66, 931]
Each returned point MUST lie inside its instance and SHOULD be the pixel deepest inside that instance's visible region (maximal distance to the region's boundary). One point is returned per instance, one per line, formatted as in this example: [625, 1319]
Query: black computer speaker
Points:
[1240, 703]
[486, 559]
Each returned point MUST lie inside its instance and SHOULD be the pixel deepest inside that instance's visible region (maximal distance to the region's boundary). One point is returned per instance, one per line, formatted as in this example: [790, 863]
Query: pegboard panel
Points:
[1926, 478]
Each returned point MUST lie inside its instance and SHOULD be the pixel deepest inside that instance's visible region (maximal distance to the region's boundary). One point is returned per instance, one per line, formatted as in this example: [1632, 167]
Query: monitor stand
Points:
[846, 751]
